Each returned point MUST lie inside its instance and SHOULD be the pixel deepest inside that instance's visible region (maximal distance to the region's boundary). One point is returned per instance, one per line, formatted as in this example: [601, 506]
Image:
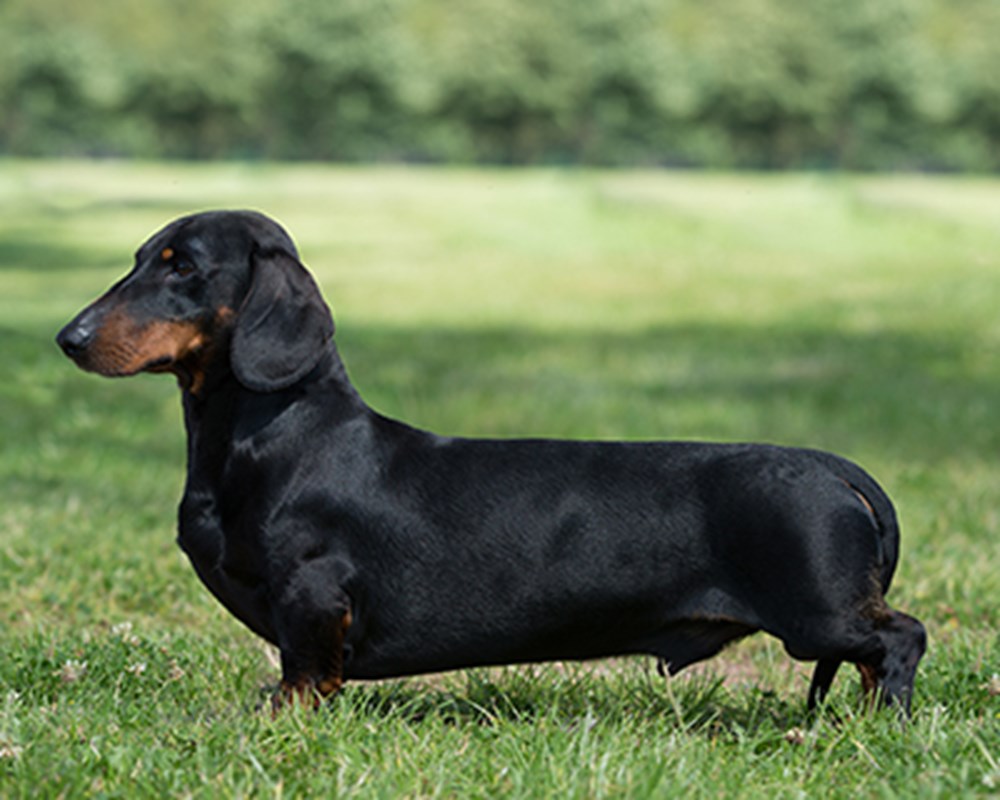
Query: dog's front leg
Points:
[313, 621]
[312, 663]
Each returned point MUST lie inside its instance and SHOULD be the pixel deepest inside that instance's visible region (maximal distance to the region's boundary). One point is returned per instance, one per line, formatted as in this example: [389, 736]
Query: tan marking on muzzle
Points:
[124, 346]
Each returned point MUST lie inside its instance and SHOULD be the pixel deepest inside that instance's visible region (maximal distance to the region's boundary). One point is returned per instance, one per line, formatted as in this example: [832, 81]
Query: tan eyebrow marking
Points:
[167, 254]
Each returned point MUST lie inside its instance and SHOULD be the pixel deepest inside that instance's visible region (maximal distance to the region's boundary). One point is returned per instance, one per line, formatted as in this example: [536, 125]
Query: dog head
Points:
[210, 291]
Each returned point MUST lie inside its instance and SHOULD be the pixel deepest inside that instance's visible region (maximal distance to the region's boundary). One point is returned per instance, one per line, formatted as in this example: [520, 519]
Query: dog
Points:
[365, 548]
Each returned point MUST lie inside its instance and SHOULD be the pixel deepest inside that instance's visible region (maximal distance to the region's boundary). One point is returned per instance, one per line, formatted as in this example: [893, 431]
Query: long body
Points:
[463, 552]
[365, 548]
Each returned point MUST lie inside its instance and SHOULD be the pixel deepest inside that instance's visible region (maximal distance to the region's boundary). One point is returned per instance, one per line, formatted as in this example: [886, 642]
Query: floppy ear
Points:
[283, 326]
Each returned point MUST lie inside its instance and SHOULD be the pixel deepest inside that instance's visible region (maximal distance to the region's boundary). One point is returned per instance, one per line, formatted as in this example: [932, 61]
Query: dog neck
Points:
[209, 414]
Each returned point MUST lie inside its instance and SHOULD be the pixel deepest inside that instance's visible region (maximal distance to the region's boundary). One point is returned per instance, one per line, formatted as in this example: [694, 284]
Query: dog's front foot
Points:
[312, 646]
[304, 693]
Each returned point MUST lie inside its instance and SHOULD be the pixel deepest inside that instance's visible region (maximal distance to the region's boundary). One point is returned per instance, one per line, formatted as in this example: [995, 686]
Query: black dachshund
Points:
[364, 548]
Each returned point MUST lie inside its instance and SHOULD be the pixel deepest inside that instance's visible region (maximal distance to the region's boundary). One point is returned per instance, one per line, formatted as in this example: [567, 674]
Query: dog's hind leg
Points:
[889, 676]
[886, 651]
[823, 675]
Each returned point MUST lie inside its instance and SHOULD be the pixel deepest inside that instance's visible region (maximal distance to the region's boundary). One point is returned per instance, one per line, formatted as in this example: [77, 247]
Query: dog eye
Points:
[181, 267]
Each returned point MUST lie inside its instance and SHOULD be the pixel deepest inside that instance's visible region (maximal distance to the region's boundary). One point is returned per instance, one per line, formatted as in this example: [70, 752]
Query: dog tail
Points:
[878, 504]
[886, 521]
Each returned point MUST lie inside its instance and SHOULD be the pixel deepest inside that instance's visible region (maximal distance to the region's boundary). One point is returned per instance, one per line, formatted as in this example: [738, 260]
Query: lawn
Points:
[856, 314]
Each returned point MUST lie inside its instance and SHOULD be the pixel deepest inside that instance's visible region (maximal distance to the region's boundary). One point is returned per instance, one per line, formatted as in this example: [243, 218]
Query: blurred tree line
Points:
[725, 83]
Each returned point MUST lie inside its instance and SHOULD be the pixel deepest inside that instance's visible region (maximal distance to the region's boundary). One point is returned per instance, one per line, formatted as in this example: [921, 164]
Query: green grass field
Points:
[857, 314]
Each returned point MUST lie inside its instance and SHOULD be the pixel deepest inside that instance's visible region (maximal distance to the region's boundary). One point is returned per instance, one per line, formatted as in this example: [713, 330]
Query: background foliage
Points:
[748, 83]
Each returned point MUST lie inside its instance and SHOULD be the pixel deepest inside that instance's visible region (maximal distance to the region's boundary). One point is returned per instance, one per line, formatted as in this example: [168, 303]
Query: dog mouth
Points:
[116, 366]
[160, 364]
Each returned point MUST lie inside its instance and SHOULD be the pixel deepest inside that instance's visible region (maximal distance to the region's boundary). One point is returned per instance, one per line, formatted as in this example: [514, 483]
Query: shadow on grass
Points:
[573, 697]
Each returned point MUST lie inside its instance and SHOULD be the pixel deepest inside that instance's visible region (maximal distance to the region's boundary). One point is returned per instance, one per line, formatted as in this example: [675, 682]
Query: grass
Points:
[856, 314]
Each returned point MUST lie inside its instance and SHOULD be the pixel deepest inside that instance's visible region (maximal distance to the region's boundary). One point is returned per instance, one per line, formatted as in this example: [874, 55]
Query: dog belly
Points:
[391, 658]
[475, 632]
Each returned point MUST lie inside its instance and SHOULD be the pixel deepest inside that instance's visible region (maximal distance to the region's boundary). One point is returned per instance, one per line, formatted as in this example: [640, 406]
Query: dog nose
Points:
[74, 338]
